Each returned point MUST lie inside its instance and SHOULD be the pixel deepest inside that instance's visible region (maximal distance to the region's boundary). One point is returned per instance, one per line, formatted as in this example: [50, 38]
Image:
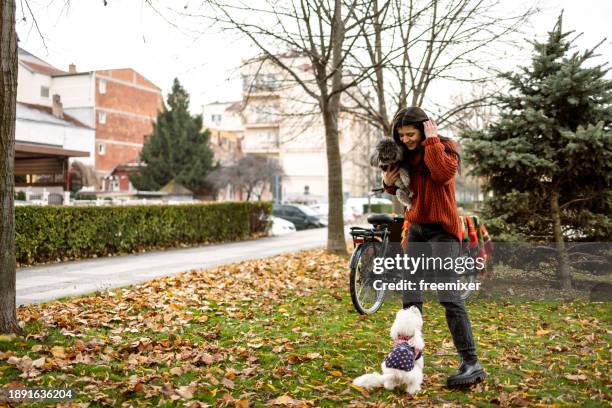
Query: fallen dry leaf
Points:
[283, 400]
[576, 377]
[186, 391]
[227, 383]
[241, 403]
[176, 371]
[38, 363]
[58, 351]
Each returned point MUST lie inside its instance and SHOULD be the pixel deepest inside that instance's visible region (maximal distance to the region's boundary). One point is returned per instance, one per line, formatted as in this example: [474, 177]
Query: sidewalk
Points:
[43, 283]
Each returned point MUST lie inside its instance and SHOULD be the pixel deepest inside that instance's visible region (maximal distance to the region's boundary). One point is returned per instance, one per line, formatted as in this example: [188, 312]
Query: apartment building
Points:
[282, 121]
[121, 105]
[224, 122]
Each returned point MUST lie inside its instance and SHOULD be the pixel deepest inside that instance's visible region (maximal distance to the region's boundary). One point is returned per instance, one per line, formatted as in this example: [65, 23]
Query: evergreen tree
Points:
[177, 149]
[548, 159]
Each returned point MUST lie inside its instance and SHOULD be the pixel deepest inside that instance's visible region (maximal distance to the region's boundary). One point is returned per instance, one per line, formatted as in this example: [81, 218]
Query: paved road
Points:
[44, 283]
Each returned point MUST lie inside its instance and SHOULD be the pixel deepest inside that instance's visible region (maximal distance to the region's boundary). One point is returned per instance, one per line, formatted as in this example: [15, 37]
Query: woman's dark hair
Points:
[416, 117]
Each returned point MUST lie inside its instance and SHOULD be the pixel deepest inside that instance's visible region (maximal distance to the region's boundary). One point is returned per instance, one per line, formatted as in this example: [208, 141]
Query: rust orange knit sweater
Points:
[433, 191]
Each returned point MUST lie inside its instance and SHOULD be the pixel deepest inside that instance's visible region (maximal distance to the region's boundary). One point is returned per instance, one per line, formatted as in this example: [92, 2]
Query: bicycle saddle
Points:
[377, 219]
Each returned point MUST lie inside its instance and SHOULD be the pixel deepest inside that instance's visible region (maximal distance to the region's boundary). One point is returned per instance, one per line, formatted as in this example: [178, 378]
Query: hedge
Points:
[378, 208]
[59, 233]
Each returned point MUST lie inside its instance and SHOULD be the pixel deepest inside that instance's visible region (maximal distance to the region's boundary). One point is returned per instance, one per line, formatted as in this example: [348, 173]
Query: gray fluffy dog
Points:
[389, 154]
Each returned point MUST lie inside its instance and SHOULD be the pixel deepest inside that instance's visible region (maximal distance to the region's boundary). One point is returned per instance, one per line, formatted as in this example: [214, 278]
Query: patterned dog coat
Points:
[402, 357]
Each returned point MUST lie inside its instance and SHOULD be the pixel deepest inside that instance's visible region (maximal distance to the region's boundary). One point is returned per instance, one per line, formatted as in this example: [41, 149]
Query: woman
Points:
[432, 222]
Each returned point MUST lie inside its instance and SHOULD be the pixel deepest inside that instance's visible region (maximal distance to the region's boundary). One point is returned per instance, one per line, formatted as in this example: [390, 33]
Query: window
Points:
[260, 83]
[264, 113]
[102, 86]
[292, 212]
[101, 149]
[114, 183]
[102, 117]
[268, 82]
[44, 91]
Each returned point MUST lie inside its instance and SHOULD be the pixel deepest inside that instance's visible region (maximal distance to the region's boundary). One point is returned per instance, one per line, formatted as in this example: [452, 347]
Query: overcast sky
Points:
[129, 33]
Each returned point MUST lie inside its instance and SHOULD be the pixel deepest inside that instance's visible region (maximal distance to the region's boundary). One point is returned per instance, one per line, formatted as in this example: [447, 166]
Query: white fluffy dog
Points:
[404, 365]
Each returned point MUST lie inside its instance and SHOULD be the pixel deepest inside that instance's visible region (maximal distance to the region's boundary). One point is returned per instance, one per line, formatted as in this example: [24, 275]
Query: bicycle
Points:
[371, 243]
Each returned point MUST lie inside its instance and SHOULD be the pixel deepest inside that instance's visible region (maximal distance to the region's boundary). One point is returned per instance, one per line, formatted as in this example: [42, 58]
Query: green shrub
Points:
[55, 233]
[85, 197]
[378, 208]
[20, 195]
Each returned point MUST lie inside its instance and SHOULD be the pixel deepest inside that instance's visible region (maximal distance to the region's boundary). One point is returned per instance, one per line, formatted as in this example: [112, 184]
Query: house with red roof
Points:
[118, 105]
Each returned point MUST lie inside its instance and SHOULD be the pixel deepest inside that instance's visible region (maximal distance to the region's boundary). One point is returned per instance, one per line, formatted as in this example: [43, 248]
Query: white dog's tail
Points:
[369, 381]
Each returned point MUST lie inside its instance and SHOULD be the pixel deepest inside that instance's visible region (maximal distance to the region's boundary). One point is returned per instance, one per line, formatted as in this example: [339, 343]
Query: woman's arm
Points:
[441, 165]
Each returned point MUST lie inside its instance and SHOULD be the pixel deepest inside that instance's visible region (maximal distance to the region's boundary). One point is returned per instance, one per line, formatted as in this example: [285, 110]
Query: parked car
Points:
[301, 216]
[280, 226]
[322, 211]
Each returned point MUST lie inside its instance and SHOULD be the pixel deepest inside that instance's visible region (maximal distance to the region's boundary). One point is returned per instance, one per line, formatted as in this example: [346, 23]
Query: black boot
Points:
[467, 374]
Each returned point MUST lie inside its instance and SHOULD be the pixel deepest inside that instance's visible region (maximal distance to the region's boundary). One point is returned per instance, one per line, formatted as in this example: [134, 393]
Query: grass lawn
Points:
[282, 332]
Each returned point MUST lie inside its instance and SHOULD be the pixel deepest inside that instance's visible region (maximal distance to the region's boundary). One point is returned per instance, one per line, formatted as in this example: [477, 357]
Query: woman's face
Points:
[410, 136]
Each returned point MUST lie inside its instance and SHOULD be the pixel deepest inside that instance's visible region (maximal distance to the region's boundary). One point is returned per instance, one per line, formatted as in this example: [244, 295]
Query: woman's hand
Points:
[431, 128]
[390, 176]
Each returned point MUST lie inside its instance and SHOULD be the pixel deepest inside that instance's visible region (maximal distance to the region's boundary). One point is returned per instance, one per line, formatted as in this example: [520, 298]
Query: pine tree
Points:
[548, 159]
[177, 149]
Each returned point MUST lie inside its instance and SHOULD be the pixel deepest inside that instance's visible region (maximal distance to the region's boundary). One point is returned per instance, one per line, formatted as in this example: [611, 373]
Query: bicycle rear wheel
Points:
[366, 299]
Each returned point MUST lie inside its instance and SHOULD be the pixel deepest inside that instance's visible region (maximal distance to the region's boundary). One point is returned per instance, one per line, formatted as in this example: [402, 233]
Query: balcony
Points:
[262, 86]
[260, 142]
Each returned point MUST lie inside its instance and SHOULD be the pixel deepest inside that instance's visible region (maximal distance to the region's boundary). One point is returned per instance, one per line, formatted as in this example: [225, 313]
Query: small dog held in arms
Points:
[388, 154]
[404, 365]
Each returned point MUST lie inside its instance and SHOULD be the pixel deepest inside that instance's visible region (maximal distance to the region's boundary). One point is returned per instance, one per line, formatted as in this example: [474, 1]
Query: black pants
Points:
[431, 240]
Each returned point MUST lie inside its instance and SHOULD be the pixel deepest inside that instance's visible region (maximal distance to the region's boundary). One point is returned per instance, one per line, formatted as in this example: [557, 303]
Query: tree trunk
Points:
[8, 85]
[563, 270]
[335, 229]
[330, 107]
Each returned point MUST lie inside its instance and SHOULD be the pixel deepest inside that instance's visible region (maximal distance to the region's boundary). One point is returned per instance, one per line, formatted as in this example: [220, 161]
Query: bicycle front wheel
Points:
[366, 299]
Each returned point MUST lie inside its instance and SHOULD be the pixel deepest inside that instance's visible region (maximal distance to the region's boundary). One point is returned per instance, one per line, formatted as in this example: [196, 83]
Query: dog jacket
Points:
[402, 357]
